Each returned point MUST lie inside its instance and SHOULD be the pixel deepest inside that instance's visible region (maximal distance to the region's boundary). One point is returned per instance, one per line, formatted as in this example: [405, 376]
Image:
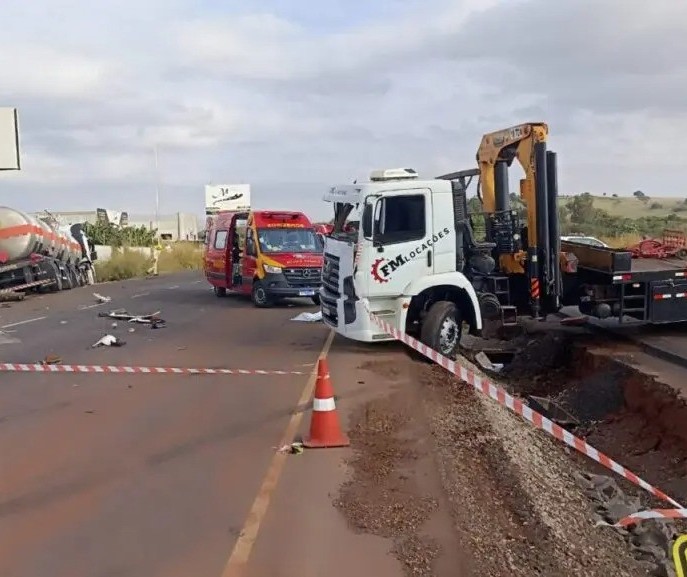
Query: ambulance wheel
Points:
[442, 327]
[220, 291]
[259, 296]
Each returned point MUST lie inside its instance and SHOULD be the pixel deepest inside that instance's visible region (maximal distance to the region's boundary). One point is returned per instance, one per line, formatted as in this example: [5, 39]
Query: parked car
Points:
[590, 240]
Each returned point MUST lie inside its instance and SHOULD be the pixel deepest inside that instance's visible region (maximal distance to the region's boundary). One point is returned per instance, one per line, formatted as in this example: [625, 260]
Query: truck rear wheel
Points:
[442, 327]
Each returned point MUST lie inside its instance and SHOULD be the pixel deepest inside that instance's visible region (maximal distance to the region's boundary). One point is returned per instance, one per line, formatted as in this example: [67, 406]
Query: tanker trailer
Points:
[32, 255]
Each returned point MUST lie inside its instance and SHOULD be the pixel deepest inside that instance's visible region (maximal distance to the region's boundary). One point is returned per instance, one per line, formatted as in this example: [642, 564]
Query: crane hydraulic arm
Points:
[537, 256]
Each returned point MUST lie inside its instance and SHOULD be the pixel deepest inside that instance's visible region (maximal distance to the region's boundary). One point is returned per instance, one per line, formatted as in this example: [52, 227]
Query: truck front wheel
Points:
[259, 296]
[442, 327]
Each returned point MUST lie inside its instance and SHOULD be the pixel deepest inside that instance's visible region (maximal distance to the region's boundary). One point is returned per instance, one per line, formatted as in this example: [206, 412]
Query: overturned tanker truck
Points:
[35, 256]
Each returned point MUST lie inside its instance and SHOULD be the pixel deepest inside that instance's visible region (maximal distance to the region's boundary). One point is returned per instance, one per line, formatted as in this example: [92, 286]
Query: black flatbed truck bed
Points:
[650, 290]
[615, 262]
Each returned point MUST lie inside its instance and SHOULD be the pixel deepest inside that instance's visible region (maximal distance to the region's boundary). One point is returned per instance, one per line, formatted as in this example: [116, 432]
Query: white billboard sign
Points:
[9, 139]
[234, 197]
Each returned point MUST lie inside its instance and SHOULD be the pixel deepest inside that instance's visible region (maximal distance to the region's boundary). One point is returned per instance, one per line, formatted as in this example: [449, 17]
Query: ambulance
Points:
[269, 255]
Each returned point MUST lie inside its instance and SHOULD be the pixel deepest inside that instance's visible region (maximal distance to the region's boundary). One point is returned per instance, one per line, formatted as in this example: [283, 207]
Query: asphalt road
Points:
[142, 475]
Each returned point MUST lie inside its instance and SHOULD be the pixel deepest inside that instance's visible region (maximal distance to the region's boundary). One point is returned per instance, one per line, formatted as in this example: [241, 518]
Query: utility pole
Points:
[157, 192]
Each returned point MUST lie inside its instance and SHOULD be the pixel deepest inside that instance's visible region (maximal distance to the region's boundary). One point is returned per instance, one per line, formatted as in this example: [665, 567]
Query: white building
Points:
[178, 226]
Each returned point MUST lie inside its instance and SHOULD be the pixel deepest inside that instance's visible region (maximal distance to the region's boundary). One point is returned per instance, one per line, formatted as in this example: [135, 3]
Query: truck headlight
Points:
[271, 269]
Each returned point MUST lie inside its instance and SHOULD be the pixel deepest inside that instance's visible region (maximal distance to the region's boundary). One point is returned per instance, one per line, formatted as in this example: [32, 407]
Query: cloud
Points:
[293, 97]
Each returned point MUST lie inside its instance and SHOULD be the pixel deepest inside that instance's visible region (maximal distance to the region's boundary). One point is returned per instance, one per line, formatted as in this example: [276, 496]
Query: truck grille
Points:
[303, 277]
[330, 284]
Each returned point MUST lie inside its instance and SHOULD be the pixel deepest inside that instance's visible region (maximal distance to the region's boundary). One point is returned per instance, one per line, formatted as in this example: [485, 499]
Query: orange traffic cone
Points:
[325, 430]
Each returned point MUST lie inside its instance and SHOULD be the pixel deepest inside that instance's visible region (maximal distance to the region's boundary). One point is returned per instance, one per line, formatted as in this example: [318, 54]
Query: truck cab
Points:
[269, 255]
[396, 250]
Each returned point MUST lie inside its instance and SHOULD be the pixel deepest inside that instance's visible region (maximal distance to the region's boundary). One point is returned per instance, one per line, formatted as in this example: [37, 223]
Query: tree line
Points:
[108, 234]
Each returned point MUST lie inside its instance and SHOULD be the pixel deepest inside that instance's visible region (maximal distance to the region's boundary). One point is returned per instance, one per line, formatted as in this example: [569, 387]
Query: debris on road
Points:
[6, 339]
[151, 319]
[309, 317]
[10, 296]
[51, 360]
[102, 299]
[291, 448]
[109, 341]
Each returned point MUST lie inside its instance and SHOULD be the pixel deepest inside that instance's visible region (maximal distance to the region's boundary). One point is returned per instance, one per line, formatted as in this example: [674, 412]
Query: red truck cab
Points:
[269, 255]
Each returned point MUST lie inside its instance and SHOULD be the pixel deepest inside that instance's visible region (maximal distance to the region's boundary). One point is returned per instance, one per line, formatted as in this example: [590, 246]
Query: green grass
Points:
[126, 264]
[631, 207]
[123, 264]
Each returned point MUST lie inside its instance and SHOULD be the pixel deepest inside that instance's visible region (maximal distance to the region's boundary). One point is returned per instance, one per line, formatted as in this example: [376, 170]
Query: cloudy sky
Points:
[296, 95]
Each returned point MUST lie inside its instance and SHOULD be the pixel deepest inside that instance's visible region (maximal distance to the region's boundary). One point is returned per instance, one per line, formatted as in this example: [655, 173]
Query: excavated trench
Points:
[592, 389]
[606, 393]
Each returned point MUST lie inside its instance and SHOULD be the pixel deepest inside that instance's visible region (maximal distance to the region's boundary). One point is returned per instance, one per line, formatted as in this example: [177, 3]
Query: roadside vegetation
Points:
[618, 221]
[622, 221]
[126, 263]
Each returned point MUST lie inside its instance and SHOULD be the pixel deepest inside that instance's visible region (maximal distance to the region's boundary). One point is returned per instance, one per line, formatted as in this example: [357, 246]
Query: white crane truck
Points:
[406, 250]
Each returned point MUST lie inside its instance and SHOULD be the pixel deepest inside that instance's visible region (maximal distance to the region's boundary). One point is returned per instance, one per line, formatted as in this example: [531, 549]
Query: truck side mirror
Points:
[367, 221]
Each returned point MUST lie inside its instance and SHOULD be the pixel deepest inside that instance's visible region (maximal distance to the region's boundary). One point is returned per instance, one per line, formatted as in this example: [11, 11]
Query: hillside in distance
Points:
[633, 207]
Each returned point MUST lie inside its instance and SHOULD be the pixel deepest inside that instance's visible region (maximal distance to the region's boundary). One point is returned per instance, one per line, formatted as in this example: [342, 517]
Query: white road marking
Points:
[27, 321]
[139, 295]
[176, 286]
[5, 339]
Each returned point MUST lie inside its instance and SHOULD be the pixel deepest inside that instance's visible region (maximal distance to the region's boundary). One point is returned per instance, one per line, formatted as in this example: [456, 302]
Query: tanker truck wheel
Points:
[56, 276]
[70, 281]
[442, 327]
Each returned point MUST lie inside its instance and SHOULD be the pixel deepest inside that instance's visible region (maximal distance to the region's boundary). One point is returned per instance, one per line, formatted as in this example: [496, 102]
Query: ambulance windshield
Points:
[288, 240]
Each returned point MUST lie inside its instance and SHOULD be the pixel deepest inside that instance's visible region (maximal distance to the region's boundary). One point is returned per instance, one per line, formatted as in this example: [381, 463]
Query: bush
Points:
[655, 206]
[123, 264]
[181, 256]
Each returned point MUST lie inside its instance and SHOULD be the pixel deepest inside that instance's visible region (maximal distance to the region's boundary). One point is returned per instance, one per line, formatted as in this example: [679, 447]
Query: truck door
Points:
[402, 242]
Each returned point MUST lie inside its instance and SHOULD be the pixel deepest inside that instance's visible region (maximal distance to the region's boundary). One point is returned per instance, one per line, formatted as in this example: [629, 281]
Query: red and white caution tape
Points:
[38, 368]
[498, 394]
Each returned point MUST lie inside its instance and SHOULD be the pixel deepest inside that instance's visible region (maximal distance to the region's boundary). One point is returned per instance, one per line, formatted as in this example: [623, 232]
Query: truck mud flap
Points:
[668, 302]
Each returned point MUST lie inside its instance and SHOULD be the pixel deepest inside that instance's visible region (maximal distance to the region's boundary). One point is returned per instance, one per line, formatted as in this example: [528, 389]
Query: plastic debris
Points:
[291, 449]
[102, 299]
[309, 317]
[109, 341]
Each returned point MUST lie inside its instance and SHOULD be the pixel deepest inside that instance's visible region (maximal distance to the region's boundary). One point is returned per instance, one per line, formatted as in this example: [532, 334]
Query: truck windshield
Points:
[346, 221]
[288, 240]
